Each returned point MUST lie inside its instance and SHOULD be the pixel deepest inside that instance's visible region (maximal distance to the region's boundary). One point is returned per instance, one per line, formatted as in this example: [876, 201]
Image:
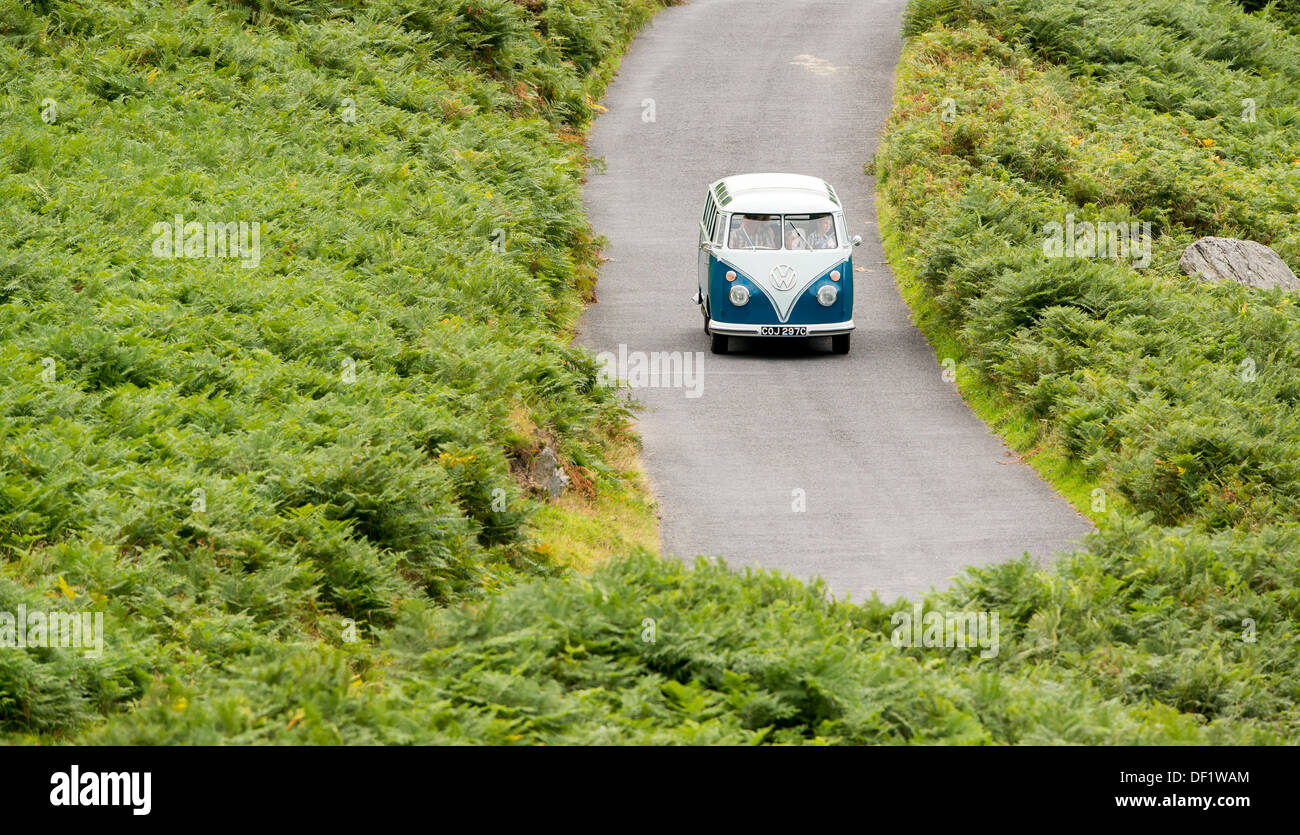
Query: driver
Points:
[754, 232]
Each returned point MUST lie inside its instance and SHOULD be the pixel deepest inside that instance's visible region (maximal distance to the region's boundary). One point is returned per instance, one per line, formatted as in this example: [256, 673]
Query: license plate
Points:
[782, 330]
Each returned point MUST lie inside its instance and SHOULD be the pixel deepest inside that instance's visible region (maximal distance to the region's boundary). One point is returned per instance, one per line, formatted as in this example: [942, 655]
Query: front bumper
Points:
[733, 329]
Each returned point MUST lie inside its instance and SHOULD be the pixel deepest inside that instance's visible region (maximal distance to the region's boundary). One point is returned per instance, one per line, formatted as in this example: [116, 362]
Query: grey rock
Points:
[546, 471]
[1245, 262]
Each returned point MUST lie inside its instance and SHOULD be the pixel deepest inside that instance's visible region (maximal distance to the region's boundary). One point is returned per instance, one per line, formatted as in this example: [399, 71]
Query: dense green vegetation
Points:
[354, 411]
[647, 652]
[1182, 399]
[371, 497]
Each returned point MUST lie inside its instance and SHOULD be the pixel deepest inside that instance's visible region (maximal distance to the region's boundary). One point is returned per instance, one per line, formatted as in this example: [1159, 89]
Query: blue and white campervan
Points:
[775, 260]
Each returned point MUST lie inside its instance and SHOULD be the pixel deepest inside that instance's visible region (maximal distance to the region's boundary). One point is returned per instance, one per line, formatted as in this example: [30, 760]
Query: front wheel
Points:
[840, 343]
[719, 344]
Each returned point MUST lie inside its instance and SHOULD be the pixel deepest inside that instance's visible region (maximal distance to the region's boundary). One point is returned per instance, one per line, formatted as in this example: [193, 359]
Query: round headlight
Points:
[827, 294]
[739, 295]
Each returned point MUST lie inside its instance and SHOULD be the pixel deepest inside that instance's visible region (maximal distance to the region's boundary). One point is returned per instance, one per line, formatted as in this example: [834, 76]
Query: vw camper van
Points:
[775, 260]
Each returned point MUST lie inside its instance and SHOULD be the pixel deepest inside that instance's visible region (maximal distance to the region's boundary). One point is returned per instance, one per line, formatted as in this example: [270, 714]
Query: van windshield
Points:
[810, 231]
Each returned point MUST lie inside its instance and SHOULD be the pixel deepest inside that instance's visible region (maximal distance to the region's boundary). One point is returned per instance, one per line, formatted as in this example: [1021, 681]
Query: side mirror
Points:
[857, 240]
[708, 246]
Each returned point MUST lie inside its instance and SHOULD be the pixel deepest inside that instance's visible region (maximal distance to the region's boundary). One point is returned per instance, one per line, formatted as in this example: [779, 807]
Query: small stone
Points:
[546, 471]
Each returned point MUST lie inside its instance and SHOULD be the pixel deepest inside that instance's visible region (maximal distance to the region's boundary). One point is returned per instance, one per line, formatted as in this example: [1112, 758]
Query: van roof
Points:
[775, 193]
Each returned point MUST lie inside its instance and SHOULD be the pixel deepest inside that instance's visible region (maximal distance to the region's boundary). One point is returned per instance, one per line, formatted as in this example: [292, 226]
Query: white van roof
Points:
[775, 194]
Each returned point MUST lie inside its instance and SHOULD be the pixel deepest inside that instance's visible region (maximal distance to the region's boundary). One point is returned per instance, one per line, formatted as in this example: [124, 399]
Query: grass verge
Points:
[596, 520]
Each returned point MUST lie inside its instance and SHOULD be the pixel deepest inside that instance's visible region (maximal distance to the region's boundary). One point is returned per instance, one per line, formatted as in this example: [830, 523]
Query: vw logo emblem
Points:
[783, 276]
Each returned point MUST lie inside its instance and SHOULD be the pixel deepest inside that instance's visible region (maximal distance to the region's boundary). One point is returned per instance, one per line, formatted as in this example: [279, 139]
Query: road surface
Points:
[866, 469]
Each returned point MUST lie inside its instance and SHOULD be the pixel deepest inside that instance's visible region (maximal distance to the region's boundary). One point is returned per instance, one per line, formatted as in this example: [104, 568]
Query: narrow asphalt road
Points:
[865, 469]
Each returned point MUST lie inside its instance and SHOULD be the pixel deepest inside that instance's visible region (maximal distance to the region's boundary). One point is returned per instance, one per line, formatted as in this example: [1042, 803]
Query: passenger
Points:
[823, 233]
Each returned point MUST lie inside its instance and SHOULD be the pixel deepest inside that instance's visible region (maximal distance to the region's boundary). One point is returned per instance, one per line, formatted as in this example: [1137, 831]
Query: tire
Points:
[840, 343]
[719, 344]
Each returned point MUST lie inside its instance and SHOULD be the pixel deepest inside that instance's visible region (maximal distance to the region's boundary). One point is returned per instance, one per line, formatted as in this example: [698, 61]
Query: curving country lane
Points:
[866, 469]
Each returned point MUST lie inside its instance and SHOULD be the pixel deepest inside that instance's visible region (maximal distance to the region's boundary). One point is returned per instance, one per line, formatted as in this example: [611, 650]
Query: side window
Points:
[719, 224]
[710, 214]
